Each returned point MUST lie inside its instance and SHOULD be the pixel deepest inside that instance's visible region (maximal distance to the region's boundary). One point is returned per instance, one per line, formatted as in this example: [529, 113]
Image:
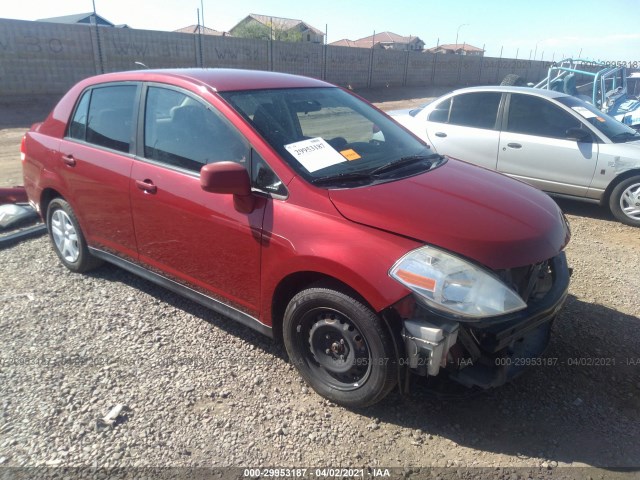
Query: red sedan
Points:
[262, 196]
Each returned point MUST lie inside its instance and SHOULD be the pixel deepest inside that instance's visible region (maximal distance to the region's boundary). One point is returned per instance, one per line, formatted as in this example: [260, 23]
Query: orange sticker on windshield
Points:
[350, 154]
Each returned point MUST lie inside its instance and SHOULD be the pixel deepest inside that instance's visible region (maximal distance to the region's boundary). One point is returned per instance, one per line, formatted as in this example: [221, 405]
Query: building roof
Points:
[77, 18]
[457, 46]
[387, 37]
[345, 42]
[378, 38]
[284, 23]
[203, 30]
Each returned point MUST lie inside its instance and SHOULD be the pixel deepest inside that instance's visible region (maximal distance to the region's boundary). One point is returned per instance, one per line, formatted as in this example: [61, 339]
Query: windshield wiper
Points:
[338, 177]
[404, 161]
[624, 136]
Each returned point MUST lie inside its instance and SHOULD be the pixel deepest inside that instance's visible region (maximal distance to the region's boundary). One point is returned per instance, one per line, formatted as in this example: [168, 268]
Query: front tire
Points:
[625, 201]
[67, 238]
[340, 347]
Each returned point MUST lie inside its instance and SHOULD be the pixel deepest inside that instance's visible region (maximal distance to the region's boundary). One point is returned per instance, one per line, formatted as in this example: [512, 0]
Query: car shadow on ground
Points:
[568, 410]
[584, 209]
[113, 273]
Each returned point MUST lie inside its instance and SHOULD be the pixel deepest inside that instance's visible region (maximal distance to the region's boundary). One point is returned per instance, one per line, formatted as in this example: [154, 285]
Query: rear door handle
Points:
[440, 134]
[69, 160]
[514, 145]
[147, 186]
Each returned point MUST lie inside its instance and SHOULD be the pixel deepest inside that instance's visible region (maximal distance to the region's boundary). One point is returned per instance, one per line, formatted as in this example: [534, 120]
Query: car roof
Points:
[543, 92]
[220, 79]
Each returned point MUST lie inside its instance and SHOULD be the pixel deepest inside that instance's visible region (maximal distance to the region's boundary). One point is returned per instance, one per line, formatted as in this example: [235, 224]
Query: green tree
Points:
[273, 30]
[252, 30]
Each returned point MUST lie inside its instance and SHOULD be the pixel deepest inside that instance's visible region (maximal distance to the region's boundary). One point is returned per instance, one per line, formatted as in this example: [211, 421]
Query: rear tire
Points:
[340, 347]
[625, 201]
[513, 80]
[67, 238]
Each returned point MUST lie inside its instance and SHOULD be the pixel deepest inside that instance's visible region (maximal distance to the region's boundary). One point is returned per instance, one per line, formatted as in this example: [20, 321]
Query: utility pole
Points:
[202, 12]
[458, 32]
[95, 20]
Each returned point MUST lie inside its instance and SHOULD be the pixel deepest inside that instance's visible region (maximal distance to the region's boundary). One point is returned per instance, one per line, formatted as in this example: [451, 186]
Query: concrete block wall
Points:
[122, 47]
[226, 52]
[389, 67]
[348, 66]
[419, 69]
[298, 58]
[48, 58]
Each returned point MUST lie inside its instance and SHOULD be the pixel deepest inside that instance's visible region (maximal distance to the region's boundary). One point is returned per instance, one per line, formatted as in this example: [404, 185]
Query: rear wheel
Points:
[340, 347]
[513, 80]
[67, 238]
[625, 201]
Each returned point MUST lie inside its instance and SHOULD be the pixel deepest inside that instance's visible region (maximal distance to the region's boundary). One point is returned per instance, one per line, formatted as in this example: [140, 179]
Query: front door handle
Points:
[441, 134]
[146, 185]
[514, 145]
[69, 160]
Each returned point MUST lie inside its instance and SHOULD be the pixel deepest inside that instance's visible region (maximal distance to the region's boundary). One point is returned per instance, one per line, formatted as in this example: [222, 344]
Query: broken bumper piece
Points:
[491, 352]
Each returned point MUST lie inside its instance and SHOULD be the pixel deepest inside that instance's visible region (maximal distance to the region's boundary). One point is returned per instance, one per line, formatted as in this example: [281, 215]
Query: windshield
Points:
[616, 131]
[326, 134]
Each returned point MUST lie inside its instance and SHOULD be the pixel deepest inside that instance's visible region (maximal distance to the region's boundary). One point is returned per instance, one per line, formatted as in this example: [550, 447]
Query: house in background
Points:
[276, 28]
[83, 19]
[458, 49]
[384, 40]
[202, 30]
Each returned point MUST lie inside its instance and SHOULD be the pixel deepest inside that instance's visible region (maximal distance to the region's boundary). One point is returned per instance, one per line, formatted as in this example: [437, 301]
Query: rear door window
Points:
[111, 113]
[477, 110]
[78, 125]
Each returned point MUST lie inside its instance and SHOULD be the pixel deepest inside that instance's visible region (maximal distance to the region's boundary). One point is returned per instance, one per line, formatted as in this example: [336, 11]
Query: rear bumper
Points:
[492, 352]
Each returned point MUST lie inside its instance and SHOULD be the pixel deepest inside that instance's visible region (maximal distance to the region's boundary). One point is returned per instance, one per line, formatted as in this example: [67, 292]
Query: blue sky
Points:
[602, 30]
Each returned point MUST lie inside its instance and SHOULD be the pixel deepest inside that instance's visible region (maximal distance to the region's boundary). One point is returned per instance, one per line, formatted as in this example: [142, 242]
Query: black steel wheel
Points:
[340, 347]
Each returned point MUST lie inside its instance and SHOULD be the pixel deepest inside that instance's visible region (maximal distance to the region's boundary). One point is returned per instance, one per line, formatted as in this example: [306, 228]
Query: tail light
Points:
[23, 149]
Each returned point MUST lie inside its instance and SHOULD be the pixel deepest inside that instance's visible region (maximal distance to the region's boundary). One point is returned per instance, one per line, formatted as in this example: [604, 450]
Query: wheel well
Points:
[47, 195]
[620, 178]
[296, 282]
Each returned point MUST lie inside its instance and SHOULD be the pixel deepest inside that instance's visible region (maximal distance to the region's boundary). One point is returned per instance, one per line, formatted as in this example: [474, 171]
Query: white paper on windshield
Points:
[314, 154]
[585, 112]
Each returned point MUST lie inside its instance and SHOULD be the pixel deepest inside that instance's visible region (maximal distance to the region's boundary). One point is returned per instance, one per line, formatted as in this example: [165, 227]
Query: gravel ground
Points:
[197, 390]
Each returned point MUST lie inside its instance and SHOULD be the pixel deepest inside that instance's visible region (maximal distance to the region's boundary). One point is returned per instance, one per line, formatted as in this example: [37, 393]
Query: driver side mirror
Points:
[229, 178]
[577, 135]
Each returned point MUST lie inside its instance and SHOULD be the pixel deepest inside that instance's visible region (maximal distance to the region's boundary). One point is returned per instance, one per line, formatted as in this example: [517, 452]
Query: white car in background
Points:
[553, 141]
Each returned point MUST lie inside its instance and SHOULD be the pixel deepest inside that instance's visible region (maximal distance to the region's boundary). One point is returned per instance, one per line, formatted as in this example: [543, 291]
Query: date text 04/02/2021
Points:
[316, 472]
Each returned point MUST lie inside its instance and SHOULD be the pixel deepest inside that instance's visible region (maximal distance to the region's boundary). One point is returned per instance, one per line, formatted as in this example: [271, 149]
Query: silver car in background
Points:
[553, 141]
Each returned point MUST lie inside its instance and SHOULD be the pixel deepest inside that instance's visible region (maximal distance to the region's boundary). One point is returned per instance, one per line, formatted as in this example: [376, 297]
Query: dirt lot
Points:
[579, 410]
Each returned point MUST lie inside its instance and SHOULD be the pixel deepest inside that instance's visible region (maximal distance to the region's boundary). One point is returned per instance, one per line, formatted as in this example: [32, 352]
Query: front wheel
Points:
[625, 201]
[340, 347]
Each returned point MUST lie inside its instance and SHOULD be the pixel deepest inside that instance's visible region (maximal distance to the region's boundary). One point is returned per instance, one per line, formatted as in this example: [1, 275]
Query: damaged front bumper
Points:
[490, 352]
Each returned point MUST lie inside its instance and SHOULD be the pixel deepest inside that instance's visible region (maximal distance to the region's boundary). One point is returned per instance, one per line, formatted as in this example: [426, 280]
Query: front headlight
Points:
[455, 286]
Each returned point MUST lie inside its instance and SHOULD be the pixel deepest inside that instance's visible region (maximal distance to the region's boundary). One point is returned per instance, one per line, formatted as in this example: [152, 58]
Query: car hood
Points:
[482, 215]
